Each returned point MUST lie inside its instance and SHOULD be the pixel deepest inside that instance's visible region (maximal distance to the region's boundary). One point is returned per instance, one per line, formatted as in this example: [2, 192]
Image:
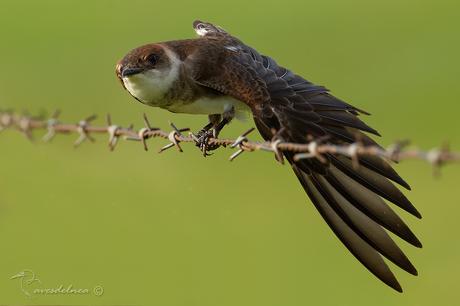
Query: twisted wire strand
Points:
[316, 148]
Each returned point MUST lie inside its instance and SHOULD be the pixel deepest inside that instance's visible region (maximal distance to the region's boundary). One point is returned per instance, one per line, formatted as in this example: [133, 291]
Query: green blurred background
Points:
[178, 229]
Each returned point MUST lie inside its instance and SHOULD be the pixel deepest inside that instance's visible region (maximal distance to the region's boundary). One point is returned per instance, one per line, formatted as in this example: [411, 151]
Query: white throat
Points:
[150, 86]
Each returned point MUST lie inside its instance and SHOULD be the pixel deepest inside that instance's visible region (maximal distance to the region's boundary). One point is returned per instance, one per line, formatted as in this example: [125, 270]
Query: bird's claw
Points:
[202, 141]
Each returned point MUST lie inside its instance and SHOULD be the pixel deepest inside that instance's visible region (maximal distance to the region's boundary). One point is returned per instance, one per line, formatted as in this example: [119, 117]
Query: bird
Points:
[218, 75]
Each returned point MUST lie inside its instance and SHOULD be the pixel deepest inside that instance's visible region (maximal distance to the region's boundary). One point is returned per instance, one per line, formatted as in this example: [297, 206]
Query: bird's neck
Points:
[162, 88]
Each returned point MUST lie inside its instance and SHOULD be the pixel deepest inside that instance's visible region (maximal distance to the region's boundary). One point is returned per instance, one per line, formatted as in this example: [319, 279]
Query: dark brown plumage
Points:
[287, 106]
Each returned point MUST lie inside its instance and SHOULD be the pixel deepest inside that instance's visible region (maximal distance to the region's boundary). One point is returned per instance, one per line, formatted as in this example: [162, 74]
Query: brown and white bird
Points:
[218, 75]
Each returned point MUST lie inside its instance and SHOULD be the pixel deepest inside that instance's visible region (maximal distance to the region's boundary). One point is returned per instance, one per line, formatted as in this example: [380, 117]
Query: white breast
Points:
[146, 86]
[151, 85]
[210, 106]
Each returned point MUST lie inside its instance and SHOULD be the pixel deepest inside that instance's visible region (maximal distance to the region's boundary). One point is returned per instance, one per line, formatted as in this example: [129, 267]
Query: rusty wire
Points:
[313, 149]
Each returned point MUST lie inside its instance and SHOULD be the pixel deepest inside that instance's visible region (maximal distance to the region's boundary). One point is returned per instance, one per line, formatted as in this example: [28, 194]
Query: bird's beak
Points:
[128, 71]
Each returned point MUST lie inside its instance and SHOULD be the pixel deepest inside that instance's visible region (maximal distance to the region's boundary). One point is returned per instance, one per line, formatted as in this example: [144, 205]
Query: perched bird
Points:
[218, 75]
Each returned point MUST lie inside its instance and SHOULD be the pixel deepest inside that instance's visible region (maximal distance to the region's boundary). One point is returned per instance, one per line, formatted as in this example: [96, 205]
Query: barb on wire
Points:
[314, 148]
[239, 142]
[82, 130]
[50, 124]
[112, 129]
[174, 136]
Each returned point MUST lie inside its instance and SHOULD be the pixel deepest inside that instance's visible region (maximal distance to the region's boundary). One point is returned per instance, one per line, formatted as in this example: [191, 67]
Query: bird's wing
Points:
[350, 199]
[224, 71]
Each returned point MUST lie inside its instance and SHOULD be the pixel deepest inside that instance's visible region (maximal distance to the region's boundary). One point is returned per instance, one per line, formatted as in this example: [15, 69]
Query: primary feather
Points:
[350, 199]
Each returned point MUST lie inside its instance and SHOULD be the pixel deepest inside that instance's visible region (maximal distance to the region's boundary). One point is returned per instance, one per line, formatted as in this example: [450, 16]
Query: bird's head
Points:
[148, 72]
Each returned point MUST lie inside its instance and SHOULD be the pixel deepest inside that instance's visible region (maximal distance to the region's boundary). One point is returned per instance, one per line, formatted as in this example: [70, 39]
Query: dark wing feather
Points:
[228, 75]
[363, 225]
[348, 198]
[344, 118]
[365, 253]
[375, 182]
[370, 204]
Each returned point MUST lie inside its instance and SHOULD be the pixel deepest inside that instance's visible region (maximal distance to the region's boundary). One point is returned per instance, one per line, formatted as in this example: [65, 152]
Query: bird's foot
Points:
[202, 141]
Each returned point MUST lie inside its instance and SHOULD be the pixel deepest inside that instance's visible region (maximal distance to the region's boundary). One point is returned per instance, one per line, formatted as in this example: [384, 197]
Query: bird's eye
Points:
[152, 59]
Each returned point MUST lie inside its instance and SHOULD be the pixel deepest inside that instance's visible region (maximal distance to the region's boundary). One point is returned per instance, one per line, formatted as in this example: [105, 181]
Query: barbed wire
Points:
[316, 148]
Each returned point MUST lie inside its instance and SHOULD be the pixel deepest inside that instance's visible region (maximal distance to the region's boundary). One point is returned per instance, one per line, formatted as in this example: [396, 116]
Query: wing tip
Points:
[406, 205]
[413, 240]
[417, 214]
[410, 268]
[391, 281]
[398, 288]
[402, 182]
[375, 132]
